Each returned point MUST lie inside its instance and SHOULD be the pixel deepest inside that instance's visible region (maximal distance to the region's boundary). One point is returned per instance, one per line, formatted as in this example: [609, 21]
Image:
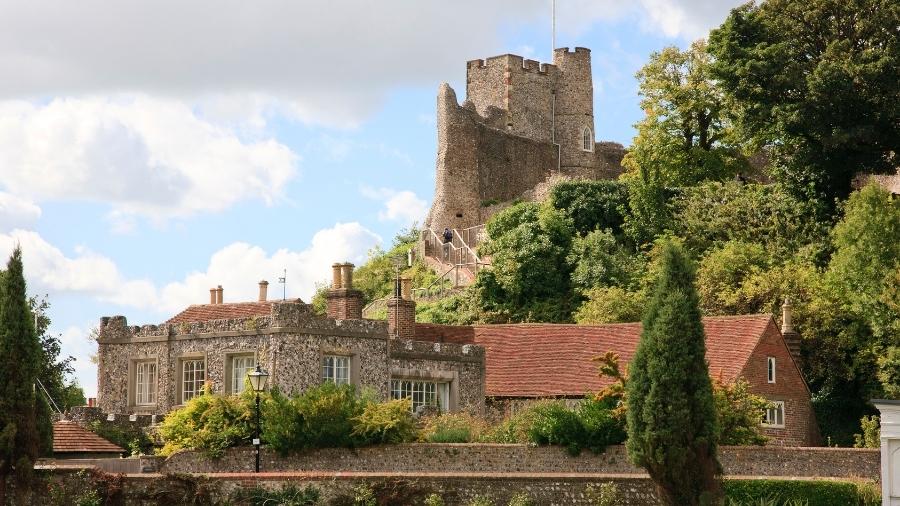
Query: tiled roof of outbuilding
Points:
[205, 312]
[535, 360]
[69, 437]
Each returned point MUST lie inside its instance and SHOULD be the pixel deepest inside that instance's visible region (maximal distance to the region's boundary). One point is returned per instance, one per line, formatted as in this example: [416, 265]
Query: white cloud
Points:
[74, 342]
[48, 270]
[144, 156]
[239, 266]
[329, 63]
[401, 206]
[17, 212]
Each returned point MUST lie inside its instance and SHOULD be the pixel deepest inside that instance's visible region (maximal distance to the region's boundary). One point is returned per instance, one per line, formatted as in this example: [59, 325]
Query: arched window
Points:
[587, 139]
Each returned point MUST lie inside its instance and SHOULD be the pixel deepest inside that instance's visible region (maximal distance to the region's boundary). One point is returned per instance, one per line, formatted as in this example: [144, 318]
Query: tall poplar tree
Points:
[20, 356]
[671, 412]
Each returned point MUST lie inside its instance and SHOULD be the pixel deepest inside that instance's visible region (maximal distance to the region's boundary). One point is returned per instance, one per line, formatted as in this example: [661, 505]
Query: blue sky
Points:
[149, 152]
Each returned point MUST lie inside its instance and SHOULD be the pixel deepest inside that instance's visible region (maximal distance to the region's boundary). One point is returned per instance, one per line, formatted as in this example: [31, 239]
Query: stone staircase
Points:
[457, 262]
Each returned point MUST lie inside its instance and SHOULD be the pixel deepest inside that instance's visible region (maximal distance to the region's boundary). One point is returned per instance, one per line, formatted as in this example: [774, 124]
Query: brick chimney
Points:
[263, 290]
[342, 301]
[212, 295]
[402, 312]
[791, 337]
[219, 294]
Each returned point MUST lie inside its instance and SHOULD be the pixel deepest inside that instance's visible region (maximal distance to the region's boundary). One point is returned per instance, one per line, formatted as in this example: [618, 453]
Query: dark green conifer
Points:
[671, 412]
[20, 356]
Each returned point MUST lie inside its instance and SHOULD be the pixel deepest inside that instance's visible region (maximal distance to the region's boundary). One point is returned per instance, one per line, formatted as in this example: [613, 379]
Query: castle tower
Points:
[574, 110]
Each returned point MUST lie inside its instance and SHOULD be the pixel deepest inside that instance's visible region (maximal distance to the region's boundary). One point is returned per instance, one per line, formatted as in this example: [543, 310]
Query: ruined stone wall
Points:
[461, 365]
[522, 89]
[478, 164]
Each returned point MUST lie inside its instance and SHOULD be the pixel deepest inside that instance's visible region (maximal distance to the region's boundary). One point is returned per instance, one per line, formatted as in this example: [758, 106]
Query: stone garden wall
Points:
[501, 458]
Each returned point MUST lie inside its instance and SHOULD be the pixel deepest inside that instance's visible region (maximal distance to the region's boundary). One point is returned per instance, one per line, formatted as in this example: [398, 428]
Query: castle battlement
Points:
[512, 63]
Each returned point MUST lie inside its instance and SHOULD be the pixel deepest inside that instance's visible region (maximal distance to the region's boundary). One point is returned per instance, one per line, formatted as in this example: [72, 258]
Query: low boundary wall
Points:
[500, 458]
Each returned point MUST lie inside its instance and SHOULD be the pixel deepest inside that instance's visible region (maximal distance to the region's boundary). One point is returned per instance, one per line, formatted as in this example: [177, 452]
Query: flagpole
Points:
[553, 36]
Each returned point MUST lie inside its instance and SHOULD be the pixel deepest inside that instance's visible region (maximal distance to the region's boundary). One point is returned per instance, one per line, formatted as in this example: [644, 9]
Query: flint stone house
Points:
[532, 361]
[154, 368]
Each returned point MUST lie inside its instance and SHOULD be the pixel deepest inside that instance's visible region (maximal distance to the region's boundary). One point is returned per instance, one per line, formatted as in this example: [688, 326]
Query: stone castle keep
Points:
[522, 122]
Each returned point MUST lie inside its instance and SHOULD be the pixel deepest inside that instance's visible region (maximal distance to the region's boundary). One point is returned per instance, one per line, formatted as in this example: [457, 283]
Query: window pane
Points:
[240, 366]
[193, 377]
[145, 383]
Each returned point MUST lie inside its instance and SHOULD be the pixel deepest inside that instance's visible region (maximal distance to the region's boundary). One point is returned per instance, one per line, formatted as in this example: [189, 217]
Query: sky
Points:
[152, 150]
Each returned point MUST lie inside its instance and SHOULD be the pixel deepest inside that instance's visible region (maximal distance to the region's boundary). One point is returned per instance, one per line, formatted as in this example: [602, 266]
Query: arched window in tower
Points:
[587, 139]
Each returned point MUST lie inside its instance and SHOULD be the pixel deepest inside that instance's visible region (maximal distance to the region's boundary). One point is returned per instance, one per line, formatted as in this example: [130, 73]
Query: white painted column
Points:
[890, 451]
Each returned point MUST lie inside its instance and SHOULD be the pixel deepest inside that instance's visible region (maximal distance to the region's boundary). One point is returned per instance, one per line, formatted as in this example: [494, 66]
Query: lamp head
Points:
[258, 379]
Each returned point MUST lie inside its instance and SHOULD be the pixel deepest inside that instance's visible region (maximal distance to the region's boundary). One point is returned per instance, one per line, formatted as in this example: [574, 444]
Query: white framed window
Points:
[422, 393]
[336, 368]
[774, 415]
[239, 366]
[587, 139]
[193, 375]
[145, 383]
[770, 365]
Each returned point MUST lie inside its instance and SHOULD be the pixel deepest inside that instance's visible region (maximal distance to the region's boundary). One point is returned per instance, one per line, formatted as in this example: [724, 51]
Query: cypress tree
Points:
[20, 356]
[671, 412]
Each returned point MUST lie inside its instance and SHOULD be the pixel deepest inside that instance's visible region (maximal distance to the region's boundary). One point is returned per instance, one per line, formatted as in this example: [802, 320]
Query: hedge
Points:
[807, 492]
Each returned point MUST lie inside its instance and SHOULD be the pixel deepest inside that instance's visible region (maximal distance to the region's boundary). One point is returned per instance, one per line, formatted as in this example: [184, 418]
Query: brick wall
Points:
[459, 334]
[401, 318]
[497, 458]
[344, 304]
[800, 427]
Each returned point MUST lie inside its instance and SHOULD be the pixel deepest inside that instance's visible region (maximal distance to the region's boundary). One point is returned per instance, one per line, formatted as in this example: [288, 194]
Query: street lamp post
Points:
[257, 379]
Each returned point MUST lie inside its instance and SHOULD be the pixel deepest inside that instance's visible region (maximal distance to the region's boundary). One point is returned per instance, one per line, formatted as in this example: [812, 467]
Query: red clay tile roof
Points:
[535, 360]
[69, 437]
[205, 312]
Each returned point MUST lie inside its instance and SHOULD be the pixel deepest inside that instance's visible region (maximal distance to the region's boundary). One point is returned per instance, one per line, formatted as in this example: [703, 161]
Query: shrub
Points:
[481, 500]
[810, 493]
[451, 428]
[515, 428]
[434, 500]
[287, 496]
[209, 423]
[737, 413]
[283, 427]
[591, 204]
[557, 425]
[871, 433]
[602, 426]
[521, 499]
[604, 494]
[134, 440]
[386, 422]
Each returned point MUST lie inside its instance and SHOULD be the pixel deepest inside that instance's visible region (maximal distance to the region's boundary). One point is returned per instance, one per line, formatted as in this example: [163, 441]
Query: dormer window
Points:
[587, 139]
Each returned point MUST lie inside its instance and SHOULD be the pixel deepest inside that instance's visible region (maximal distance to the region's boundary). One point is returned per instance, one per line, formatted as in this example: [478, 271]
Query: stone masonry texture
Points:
[522, 122]
[289, 344]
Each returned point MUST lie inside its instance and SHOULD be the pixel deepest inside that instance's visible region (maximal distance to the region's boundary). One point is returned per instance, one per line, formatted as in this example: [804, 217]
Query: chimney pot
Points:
[335, 276]
[787, 324]
[406, 288]
[347, 276]
[263, 290]
[219, 294]
[212, 295]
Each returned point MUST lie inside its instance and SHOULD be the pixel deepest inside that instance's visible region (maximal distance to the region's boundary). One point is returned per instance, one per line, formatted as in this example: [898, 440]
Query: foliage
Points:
[133, 439]
[530, 277]
[451, 428]
[685, 137]
[590, 425]
[386, 422]
[209, 423]
[481, 500]
[817, 81]
[649, 207]
[375, 278]
[889, 372]
[21, 357]
[871, 433]
[789, 492]
[737, 413]
[591, 205]
[434, 500]
[515, 428]
[289, 495]
[715, 213]
[604, 494]
[671, 411]
[521, 499]
[611, 305]
[597, 260]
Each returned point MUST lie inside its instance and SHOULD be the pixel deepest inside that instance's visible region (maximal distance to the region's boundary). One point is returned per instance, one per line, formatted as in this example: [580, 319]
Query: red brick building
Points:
[530, 361]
